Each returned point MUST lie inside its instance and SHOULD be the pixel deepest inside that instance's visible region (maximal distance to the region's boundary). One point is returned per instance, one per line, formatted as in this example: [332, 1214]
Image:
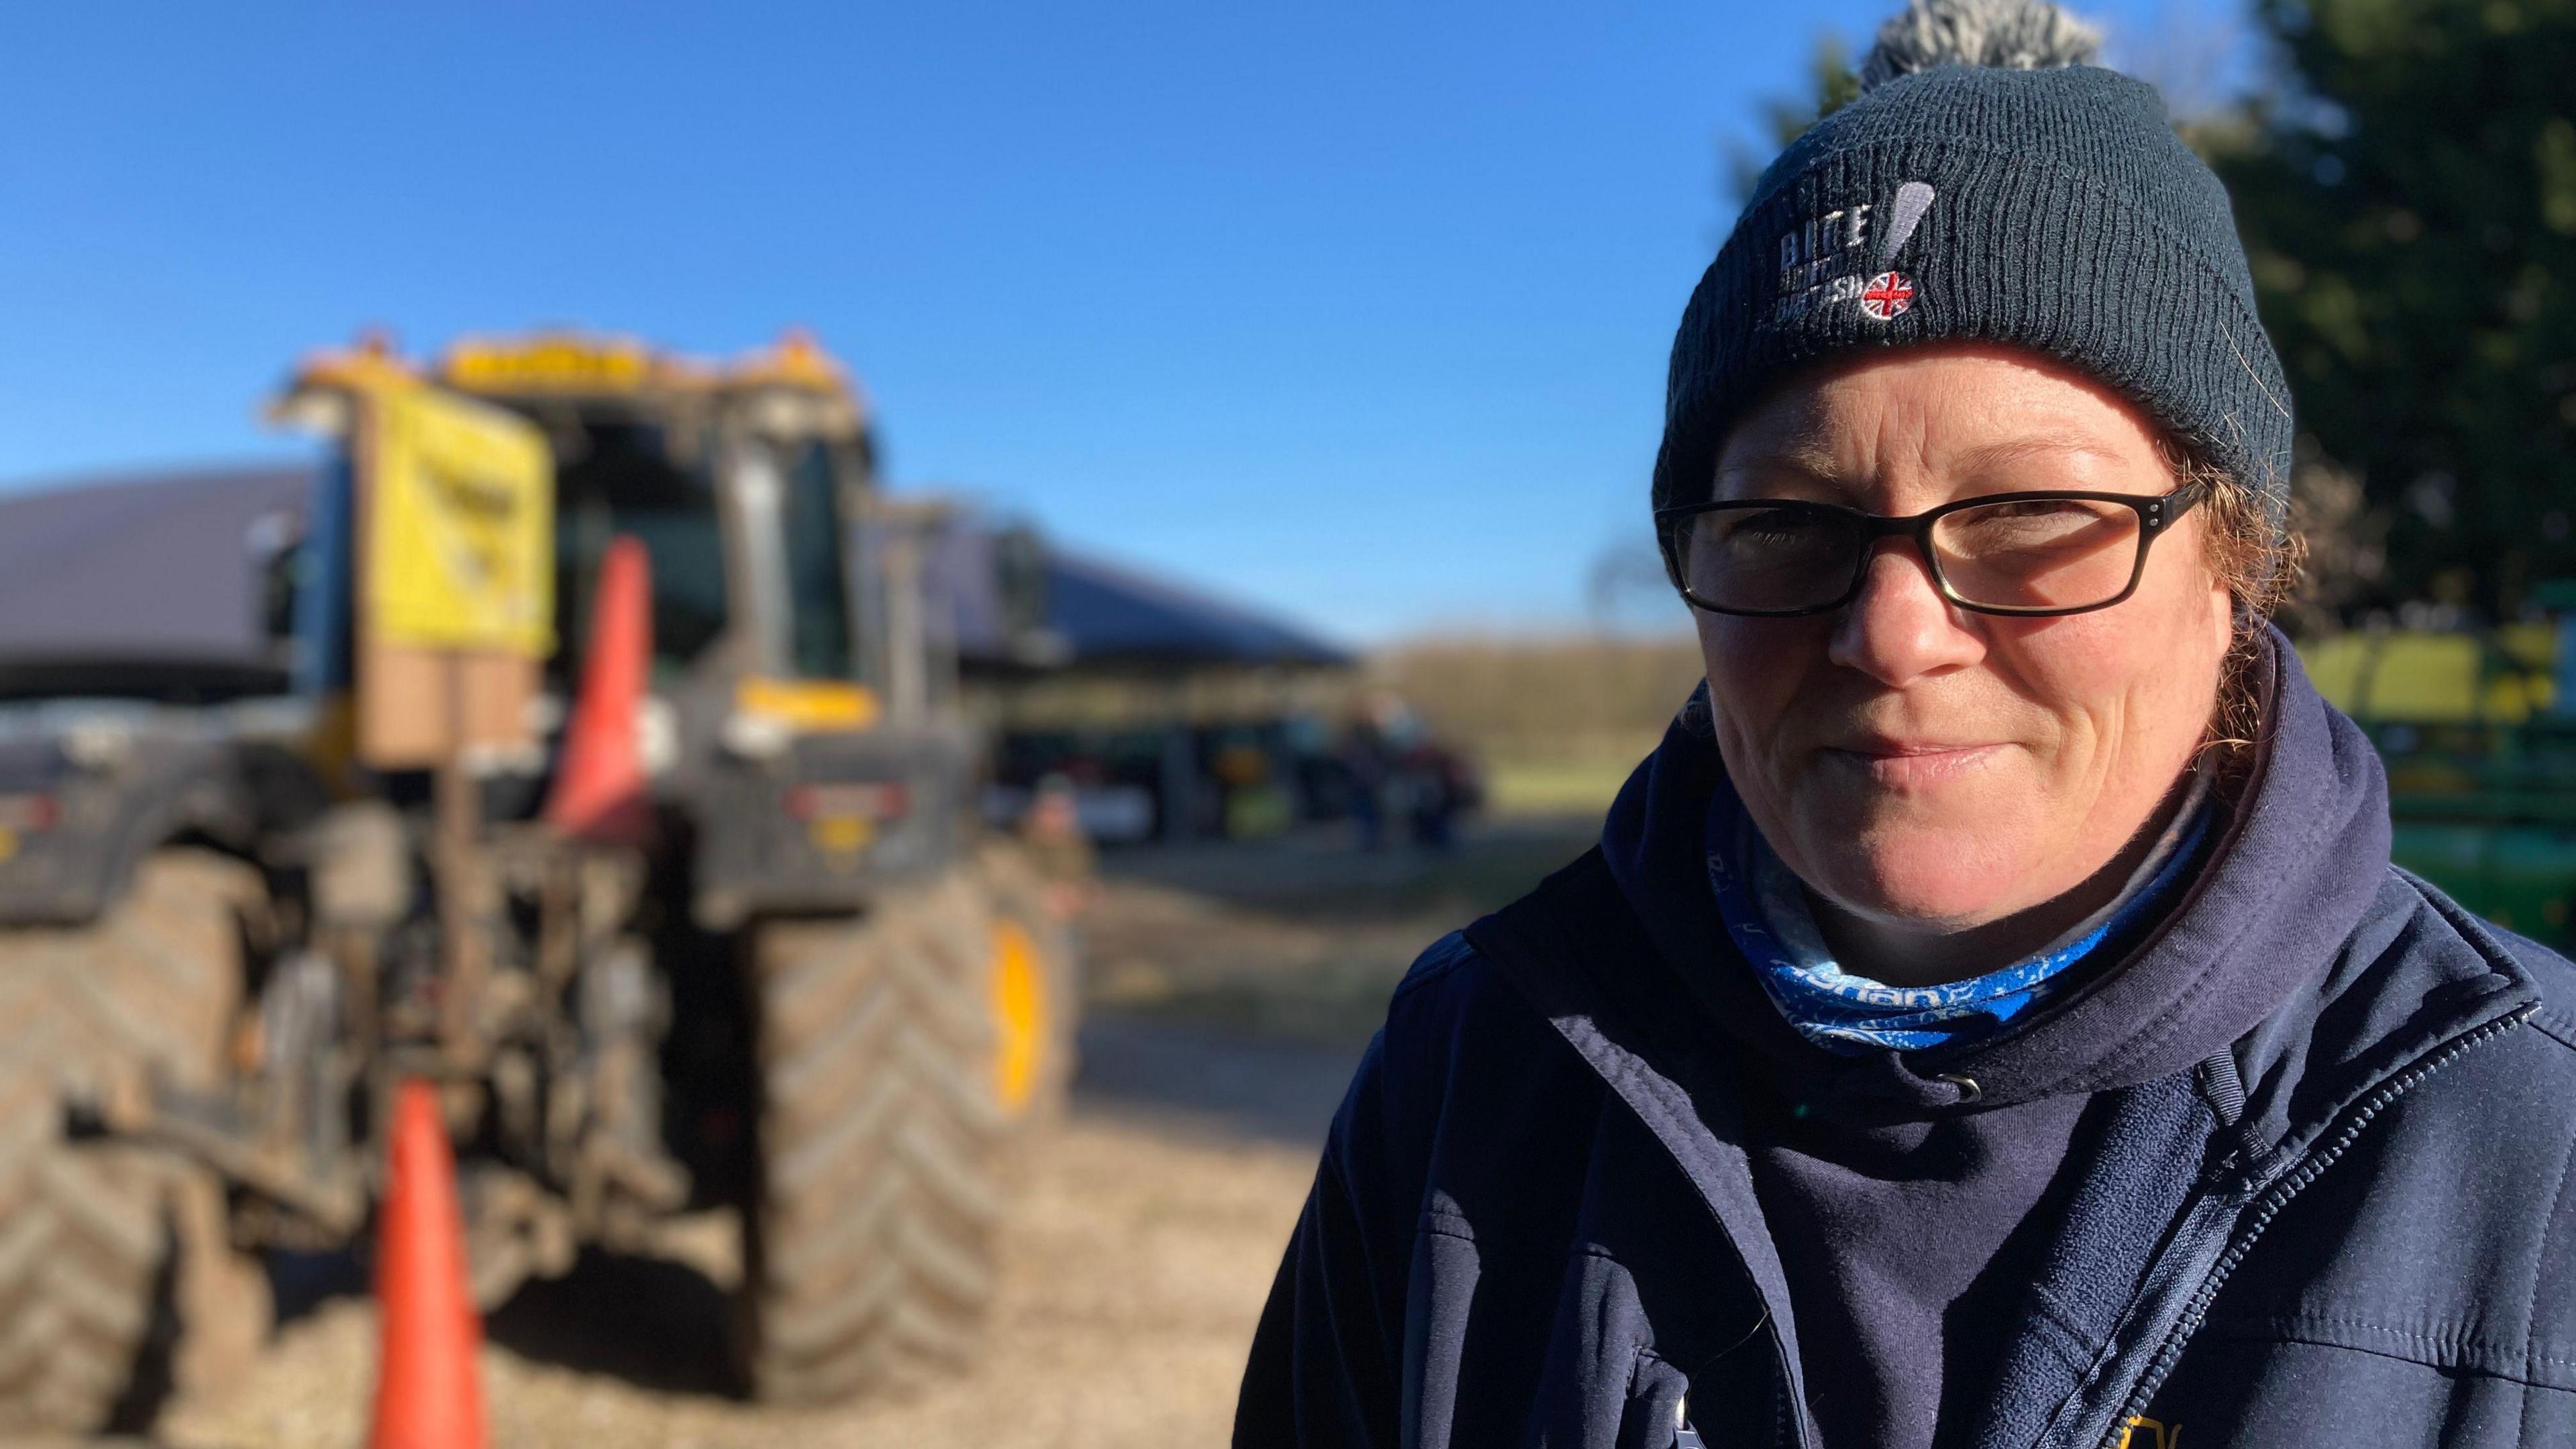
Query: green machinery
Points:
[2479, 740]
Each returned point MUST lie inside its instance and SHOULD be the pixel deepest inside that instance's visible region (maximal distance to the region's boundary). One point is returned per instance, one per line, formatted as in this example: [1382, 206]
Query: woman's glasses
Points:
[2005, 553]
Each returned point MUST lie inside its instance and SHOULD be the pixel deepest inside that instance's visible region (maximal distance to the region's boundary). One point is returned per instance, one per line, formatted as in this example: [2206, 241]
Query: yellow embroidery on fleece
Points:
[2159, 1436]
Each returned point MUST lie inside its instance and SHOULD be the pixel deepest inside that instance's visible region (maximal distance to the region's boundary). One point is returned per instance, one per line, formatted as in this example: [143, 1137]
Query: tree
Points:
[2407, 195]
[1831, 84]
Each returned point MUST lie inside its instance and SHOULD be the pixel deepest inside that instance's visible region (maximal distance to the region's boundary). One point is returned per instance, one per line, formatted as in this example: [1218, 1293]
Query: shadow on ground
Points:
[651, 1322]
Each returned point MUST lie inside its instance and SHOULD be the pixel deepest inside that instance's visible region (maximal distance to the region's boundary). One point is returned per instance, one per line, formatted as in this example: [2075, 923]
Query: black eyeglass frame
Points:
[2155, 515]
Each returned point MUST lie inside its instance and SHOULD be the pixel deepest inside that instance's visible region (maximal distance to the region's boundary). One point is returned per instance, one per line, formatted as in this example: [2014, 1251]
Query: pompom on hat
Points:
[1989, 184]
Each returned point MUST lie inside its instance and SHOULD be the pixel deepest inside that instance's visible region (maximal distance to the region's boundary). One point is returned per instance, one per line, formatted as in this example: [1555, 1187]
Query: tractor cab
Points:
[799, 723]
[745, 483]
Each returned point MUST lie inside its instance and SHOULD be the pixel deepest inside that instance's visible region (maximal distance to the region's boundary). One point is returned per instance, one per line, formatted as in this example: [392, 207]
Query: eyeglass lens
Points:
[2056, 553]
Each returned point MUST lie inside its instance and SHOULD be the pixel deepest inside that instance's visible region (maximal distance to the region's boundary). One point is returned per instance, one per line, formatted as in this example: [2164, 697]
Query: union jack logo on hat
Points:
[1887, 296]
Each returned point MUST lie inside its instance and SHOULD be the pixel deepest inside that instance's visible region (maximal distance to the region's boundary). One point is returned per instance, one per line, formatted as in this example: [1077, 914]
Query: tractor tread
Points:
[871, 1248]
[86, 1244]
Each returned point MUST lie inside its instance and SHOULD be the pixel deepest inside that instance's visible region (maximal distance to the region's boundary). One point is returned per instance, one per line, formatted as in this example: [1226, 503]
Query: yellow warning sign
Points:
[460, 534]
[551, 362]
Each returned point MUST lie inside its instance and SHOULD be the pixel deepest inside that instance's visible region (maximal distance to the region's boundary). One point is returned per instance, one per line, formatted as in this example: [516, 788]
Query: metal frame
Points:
[2155, 514]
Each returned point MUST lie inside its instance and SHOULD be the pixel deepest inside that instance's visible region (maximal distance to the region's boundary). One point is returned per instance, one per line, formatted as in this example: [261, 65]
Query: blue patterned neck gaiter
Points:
[1766, 914]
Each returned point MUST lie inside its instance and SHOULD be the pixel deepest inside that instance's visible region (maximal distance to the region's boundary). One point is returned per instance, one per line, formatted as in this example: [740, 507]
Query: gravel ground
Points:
[1132, 1274]
[1300, 939]
[1232, 990]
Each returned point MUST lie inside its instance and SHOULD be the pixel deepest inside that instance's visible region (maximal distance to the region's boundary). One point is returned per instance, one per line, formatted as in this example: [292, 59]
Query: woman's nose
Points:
[1899, 628]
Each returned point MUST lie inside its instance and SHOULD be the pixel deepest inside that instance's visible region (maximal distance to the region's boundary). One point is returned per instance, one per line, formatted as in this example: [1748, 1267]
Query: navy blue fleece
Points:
[1543, 1217]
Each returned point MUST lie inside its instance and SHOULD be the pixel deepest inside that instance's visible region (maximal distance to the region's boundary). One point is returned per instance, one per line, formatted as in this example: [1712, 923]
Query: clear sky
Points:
[1357, 311]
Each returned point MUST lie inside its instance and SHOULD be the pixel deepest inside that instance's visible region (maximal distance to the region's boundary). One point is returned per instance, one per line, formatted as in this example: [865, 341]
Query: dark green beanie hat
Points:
[2052, 209]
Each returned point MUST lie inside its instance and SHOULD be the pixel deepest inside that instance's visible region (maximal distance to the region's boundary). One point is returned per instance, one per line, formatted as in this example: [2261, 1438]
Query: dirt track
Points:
[1235, 988]
[1132, 1276]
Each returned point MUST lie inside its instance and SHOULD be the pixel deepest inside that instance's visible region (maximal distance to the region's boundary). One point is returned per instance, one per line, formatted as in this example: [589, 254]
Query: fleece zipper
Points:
[1662, 1106]
[2231, 1223]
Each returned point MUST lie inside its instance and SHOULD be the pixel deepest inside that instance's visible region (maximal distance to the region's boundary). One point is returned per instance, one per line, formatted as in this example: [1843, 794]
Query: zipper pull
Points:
[1684, 1436]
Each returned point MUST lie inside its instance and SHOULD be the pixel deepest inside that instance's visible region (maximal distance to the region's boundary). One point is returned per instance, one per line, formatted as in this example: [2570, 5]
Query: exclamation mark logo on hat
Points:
[1890, 294]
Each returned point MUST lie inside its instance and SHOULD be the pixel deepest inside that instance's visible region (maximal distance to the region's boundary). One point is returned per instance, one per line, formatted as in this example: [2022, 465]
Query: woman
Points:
[1991, 1015]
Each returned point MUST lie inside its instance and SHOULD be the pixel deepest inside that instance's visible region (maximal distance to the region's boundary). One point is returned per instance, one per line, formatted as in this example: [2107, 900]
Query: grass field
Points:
[1557, 721]
[1548, 697]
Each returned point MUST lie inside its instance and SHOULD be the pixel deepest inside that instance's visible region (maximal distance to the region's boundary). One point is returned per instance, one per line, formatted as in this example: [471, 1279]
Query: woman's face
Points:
[1924, 767]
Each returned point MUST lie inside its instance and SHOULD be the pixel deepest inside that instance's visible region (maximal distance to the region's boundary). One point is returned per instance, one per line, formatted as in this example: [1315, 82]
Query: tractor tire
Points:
[889, 1114]
[116, 1280]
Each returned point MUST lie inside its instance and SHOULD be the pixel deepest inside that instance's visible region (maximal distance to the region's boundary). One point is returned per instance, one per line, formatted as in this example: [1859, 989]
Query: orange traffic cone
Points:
[599, 783]
[428, 1392]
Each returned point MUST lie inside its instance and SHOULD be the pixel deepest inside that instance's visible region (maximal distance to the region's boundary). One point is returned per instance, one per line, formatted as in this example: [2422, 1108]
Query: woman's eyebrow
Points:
[1809, 460]
[1812, 461]
[1992, 457]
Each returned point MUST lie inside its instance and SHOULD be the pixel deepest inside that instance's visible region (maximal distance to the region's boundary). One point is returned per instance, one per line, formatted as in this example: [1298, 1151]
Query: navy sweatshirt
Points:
[1572, 1198]
[1910, 1221]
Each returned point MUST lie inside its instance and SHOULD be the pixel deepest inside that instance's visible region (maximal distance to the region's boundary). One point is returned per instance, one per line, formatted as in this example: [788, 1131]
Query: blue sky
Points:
[1356, 311]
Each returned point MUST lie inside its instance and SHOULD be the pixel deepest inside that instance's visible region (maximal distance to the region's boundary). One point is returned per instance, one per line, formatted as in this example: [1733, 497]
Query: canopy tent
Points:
[177, 568]
[1111, 616]
[166, 579]
[163, 567]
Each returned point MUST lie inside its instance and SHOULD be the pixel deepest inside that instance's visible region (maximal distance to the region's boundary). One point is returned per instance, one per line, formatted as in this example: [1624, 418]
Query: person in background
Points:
[1059, 847]
[1990, 1017]
[1439, 787]
[1368, 765]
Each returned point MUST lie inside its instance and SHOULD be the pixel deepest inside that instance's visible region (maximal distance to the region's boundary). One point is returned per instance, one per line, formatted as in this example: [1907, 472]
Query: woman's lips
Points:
[1910, 767]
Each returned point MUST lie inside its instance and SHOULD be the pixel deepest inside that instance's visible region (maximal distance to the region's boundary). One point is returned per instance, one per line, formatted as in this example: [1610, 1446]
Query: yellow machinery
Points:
[792, 983]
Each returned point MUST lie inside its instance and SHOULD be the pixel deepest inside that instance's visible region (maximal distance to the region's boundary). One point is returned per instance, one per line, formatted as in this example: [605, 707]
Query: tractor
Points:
[613, 779]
